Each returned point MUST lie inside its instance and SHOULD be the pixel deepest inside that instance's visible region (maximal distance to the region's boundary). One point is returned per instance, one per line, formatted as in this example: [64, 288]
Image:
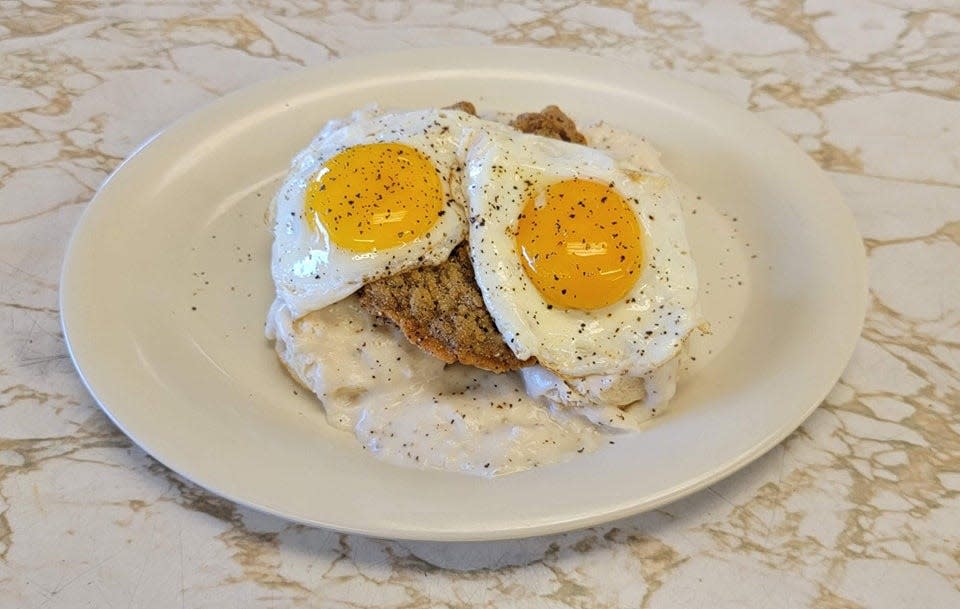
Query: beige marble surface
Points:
[858, 508]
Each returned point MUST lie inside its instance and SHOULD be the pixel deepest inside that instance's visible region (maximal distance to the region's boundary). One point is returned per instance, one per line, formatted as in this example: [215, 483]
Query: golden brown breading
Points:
[549, 122]
[440, 309]
[463, 106]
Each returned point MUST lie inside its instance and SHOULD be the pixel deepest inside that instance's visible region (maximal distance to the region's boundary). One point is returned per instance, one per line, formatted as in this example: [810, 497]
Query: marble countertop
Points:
[860, 507]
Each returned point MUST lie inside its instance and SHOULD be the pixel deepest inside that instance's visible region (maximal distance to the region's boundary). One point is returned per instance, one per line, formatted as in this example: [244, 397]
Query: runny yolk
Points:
[580, 244]
[375, 196]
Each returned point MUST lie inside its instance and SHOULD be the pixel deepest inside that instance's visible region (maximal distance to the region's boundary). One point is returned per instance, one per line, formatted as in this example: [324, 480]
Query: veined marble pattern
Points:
[858, 508]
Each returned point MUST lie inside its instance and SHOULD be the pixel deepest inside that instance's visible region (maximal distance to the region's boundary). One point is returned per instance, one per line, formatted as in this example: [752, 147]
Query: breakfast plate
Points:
[166, 284]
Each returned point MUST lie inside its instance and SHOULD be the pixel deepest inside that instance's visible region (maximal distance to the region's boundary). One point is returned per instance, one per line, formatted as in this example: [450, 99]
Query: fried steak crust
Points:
[440, 308]
[549, 122]
[463, 106]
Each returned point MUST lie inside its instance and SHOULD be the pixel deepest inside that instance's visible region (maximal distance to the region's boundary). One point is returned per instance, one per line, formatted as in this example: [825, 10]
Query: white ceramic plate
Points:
[166, 284]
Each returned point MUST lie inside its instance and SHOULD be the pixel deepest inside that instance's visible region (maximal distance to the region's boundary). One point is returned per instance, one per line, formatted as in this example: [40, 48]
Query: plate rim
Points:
[418, 59]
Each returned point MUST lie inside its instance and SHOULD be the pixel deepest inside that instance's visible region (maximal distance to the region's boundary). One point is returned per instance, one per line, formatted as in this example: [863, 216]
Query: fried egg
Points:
[371, 196]
[583, 263]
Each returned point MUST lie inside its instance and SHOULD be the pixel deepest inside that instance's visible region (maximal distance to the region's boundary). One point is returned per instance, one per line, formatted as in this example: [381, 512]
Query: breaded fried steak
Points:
[440, 308]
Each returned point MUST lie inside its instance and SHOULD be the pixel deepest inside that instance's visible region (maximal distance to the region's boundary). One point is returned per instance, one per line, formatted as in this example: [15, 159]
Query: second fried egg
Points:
[581, 257]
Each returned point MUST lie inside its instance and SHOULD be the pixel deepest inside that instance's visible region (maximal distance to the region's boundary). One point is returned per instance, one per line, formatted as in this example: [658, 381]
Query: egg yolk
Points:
[580, 244]
[375, 196]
